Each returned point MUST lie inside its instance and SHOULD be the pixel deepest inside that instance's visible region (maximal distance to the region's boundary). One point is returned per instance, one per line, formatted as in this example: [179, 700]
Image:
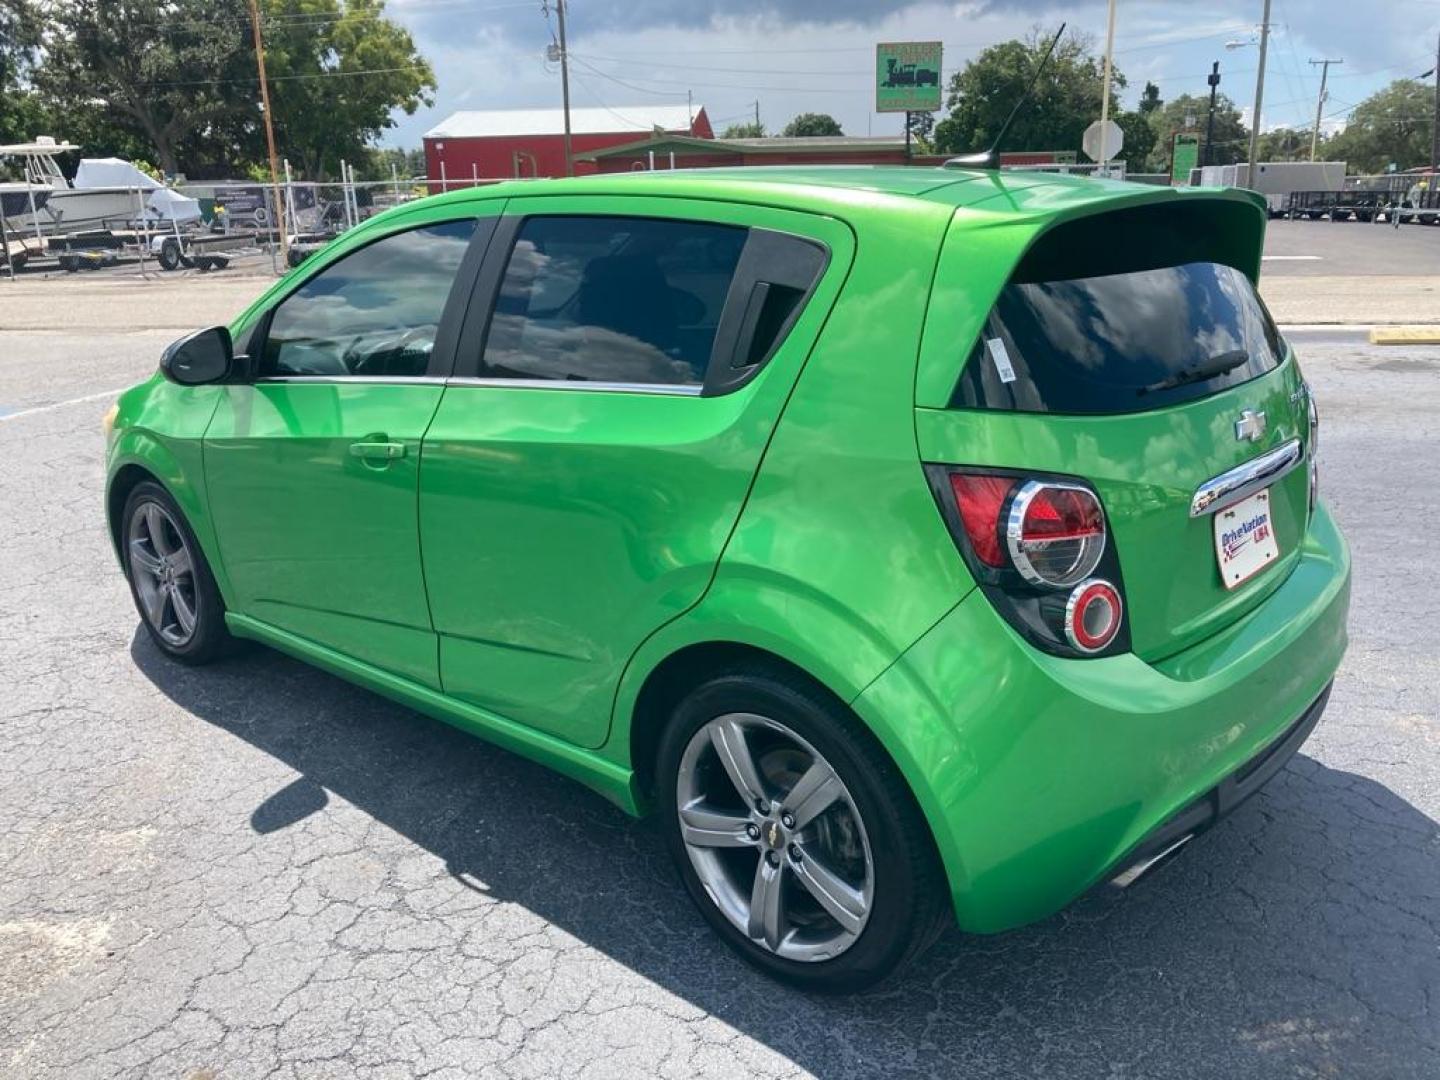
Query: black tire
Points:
[170, 255]
[210, 640]
[911, 903]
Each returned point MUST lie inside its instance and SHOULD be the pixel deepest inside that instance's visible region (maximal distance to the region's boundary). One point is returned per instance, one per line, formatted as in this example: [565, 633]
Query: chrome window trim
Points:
[371, 380]
[1245, 479]
[663, 389]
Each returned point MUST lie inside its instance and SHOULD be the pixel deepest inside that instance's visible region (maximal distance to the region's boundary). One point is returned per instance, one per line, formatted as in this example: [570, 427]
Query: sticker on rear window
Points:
[1001, 357]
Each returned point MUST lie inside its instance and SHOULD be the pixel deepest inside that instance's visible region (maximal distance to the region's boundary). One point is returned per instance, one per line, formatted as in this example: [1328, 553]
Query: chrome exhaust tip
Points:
[1133, 873]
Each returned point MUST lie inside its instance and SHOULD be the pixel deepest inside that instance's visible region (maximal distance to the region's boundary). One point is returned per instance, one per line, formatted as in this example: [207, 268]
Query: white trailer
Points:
[1276, 180]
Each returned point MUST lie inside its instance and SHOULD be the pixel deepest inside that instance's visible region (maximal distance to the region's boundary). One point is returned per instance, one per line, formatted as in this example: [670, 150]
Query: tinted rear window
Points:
[612, 299]
[1120, 343]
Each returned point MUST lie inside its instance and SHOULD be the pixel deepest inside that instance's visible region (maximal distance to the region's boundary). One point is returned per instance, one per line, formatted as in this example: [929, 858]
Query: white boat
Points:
[106, 192]
[20, 200]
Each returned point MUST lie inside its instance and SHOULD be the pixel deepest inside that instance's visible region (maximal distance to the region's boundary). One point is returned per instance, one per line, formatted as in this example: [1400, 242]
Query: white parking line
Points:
[1292, 258]
[60, 404]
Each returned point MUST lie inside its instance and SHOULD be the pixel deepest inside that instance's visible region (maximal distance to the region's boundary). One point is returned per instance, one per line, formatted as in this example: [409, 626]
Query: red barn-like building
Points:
[503, 143]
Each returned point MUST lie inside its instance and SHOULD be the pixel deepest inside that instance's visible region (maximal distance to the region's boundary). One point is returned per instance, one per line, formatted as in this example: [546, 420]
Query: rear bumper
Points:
[1223, 798]
[1041, 776]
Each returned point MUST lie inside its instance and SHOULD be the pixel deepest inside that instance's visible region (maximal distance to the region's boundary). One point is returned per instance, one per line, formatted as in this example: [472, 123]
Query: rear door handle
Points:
[377, 451]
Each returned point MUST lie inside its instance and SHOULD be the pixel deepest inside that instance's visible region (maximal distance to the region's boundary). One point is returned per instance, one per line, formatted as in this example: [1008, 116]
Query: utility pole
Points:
[1105, 91]
[1214, 81]
[278, 216]
[1435, 127]
[1320, 102]
[1259, 95]
[565, 86]
[757, 114]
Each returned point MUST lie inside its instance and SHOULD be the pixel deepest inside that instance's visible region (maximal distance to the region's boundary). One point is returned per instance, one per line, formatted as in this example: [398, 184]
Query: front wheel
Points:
[796, 835]
[174, 591]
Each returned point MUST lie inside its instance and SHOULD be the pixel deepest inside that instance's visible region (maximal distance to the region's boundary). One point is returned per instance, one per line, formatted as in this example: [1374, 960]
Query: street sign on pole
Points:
[1102, 137]
[907, 76]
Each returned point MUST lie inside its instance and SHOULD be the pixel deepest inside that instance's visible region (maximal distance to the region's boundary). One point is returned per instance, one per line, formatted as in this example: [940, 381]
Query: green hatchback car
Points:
[923, 545]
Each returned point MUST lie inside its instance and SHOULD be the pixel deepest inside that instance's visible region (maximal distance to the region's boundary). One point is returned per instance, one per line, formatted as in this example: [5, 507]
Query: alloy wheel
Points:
[774, 836]
[163, 569]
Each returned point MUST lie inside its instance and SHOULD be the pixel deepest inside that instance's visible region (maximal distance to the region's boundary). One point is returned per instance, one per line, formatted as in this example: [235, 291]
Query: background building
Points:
[500, 143]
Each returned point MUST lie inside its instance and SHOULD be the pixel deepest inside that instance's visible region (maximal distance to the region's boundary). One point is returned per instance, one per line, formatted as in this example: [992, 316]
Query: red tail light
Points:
[1056, 533]
[980, 499]
[1092, 615]
[1040, 550]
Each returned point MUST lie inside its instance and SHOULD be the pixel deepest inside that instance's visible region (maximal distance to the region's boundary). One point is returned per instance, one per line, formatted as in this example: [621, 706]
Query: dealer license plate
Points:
[1245, 539]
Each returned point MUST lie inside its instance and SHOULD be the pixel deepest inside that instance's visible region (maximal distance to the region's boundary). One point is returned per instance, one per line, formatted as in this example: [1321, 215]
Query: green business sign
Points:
[907, 76]
[1185, 156]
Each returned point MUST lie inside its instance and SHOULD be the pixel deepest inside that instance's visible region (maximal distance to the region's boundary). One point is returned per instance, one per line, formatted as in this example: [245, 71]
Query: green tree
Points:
[1231, 136]
[337, 70]
[376, 163]
[1149, 99]
[1391, 126]
[1287, 144]
[750, 130]
[922, 130]
[1064, 102]
[21, 112]
[156, 74]
[175, 80]
[1139, 139]
[812, 124]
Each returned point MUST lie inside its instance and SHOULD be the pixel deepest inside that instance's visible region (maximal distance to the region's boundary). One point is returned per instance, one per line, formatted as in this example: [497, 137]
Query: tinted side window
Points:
[1120, 343]
[612, 299]
[374, 312]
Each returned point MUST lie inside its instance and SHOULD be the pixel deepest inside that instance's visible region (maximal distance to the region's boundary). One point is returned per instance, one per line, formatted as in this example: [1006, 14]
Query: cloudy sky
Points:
[818, 55]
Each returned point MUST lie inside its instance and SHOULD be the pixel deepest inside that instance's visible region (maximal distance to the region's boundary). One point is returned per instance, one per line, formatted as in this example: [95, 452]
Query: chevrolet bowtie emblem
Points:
[1251, 425]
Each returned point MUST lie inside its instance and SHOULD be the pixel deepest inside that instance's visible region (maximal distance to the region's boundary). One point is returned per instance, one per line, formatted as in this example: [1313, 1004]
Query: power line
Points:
[621, 82]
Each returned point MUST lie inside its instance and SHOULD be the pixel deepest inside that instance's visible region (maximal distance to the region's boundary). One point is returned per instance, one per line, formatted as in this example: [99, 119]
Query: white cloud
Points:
[817, 55]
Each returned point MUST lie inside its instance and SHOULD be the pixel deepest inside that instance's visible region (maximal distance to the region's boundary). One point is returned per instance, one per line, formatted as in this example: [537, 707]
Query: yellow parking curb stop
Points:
[1405, 335]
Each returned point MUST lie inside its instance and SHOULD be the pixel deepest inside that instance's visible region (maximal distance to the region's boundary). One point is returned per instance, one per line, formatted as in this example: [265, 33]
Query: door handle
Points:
[377, 451]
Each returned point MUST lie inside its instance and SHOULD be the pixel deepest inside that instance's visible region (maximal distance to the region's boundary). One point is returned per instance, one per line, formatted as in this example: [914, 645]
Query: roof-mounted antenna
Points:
[990, 159]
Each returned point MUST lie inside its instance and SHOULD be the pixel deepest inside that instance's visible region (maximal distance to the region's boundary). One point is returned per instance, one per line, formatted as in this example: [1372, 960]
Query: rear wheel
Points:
[795, 834]
[170, 580]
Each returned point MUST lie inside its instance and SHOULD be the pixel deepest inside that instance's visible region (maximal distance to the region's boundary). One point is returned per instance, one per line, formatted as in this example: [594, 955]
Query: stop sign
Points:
[1114, 139]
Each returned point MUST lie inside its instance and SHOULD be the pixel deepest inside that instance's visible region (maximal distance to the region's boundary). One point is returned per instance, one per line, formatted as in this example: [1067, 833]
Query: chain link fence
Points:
[202, 225]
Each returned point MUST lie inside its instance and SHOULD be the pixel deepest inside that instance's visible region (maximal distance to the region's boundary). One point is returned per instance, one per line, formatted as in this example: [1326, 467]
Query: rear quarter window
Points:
[612, 299]
[1119, 343]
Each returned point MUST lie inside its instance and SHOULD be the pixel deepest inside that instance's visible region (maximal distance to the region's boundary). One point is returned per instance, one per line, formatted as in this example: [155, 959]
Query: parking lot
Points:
[258, 870]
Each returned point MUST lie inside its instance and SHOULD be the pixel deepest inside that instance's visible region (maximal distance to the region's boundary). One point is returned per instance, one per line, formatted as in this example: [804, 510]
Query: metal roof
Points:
[484, 123]
[836, 143]
[820, 144]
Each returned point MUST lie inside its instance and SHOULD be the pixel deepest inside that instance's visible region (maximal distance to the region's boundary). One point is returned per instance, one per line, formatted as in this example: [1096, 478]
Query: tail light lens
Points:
[1055, 533]
[980, 499]
[1093, 614]
[1040, 549]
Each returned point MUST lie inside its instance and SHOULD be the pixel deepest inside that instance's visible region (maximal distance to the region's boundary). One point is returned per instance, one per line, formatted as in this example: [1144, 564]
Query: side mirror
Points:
[206, 356]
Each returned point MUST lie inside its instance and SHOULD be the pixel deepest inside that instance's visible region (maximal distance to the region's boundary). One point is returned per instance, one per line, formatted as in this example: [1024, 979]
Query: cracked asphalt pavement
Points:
[256, 870]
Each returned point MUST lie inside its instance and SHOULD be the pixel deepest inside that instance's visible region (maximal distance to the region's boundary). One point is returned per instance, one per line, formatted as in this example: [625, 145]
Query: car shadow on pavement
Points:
[1297, 938]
